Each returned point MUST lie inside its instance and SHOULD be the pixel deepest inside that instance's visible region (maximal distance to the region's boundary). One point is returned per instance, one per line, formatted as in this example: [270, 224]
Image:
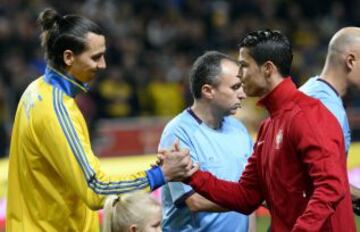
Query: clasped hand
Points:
[176, 163]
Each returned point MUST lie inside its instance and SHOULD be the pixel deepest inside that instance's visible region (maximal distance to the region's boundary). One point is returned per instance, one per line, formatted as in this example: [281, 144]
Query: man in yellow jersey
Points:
[55, 181]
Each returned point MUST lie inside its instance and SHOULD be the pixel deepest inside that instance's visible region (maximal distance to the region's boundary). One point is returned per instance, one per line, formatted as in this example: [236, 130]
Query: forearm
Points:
[93, 191]
[330, 187]
[197, 203]
[218, 191]
[317, 212]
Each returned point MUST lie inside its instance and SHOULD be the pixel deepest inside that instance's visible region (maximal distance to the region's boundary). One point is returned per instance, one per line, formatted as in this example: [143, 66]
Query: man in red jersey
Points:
[299, 164]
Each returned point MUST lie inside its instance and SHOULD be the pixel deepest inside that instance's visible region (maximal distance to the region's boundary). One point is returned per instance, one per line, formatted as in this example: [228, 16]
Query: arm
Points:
[183, 194]
[197, 203]
[69, 153]
[245, 195]
[318, 139]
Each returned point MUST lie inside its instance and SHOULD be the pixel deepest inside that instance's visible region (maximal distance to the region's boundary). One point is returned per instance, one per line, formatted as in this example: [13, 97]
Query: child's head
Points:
[133, 212]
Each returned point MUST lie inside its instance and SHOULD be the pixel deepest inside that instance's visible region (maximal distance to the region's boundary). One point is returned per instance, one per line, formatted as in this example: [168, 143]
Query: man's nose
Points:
[241, 93]
[101, 63]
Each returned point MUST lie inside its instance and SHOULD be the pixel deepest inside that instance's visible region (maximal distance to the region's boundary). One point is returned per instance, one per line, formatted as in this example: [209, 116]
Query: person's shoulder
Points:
[317, 89]
[310, 82]
[38, 97]
[303, 97]
[310, 107]
[181, 121]
[301, 104]
[181, 126]
[35, 85]
[311, 86]
[36, 91]
[312, 114]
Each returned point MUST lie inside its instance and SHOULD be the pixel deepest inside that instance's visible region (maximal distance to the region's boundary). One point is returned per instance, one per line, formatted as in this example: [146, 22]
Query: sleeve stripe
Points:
[75, 138]
[78, 151]
[70, 141]
[80, 155]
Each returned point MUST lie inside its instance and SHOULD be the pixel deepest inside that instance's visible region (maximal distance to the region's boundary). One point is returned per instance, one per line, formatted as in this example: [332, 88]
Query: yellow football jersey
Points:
[55, 181]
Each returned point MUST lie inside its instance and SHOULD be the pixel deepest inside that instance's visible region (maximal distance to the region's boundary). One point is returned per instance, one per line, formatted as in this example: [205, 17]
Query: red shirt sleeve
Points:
[243, 196]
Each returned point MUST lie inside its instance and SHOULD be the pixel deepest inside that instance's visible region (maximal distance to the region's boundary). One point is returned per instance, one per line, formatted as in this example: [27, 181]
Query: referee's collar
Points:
[65, 82]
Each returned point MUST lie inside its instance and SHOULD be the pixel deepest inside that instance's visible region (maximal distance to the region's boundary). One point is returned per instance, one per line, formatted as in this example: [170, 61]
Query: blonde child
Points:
[135, 212]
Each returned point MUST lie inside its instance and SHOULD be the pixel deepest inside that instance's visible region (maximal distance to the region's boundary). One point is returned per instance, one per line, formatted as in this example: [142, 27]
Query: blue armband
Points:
[156, 177]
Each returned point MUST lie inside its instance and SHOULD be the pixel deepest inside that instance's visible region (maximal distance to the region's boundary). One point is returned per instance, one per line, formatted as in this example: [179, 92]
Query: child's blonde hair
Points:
[133, 208]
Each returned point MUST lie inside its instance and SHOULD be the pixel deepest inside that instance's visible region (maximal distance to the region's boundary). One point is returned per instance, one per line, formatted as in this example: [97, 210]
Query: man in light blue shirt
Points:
[218, 142]
[342, 69]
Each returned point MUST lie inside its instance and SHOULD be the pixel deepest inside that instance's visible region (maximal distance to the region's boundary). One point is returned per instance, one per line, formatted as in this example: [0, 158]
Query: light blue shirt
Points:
[223, 152]
[322, 90]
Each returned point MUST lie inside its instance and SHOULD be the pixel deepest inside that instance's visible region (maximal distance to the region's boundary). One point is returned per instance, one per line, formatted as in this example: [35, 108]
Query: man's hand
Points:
[176, 163]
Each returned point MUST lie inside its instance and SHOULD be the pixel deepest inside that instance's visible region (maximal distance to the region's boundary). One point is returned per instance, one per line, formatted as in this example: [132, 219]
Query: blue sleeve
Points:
[156, 178]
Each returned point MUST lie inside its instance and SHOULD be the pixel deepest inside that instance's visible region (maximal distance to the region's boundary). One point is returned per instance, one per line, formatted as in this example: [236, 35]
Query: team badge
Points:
[278, 139]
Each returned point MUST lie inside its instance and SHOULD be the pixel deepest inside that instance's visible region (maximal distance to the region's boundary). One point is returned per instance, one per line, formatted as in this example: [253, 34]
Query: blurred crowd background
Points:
[151, 45]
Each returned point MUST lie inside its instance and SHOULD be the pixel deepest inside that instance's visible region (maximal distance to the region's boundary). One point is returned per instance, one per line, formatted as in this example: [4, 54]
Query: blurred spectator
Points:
[116, 94]
[165, 97]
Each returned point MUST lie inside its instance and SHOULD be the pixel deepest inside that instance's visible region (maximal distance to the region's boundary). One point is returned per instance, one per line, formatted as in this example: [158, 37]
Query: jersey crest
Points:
[278, 139]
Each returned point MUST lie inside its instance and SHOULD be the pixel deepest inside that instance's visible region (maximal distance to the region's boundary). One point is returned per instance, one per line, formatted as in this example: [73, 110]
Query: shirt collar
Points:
[279, 97]
[191, 112]
[329, 85]
[65, 82]
[199, 121]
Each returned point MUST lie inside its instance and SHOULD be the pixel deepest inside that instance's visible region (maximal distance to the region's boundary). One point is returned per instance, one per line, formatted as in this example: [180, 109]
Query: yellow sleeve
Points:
[67, 147]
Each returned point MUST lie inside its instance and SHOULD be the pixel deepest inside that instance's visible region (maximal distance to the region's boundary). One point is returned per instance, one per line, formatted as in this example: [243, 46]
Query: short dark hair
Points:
[269, 45]
[206, 70]
[60, 33]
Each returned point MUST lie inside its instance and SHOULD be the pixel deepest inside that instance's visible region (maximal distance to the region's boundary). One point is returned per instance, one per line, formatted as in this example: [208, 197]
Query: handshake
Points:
[176, 163]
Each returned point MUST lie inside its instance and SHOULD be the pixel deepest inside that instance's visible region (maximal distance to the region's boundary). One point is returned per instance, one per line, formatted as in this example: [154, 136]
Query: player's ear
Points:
[350, 61]
[268, 68]
[68, 57]
[132, 228]
[207, 91]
